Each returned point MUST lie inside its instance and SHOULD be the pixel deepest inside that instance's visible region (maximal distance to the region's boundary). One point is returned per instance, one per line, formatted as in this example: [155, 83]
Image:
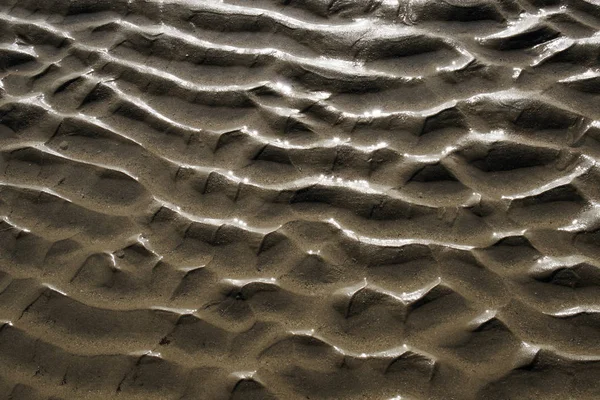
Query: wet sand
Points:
[299, 199]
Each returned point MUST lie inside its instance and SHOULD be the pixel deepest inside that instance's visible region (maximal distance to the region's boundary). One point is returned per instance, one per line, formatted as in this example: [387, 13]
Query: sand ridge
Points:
[300, 199]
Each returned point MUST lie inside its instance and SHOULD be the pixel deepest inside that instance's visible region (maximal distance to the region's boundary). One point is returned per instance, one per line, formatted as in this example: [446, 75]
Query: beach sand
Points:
[301, 199]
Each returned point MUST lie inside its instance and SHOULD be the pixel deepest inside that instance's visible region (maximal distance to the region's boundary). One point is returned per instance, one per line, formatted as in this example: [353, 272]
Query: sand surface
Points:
[301, 199]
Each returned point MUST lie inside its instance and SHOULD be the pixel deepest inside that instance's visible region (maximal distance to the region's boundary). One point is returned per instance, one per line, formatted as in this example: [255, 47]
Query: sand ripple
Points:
[299, 199]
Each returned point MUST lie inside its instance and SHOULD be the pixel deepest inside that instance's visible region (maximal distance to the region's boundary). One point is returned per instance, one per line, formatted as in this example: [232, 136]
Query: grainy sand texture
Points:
[300, 199]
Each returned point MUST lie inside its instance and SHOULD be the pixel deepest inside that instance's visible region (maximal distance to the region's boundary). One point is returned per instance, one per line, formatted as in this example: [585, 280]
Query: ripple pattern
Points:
[299, 199]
